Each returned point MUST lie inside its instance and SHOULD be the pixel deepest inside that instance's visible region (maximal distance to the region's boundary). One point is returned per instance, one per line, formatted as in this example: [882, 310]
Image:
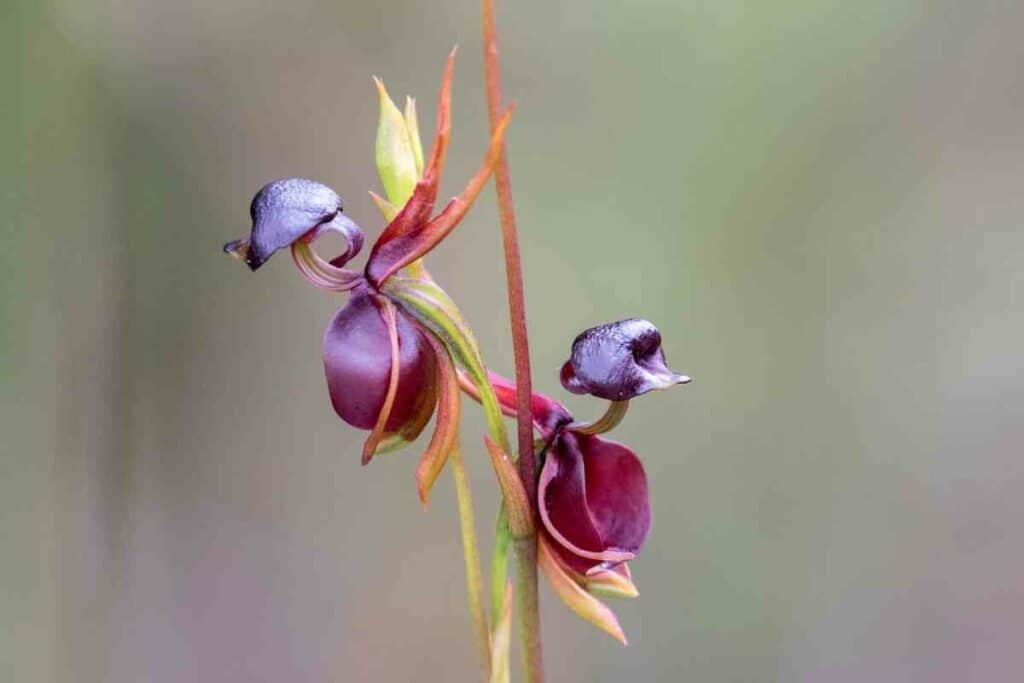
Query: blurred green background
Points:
[820, 204]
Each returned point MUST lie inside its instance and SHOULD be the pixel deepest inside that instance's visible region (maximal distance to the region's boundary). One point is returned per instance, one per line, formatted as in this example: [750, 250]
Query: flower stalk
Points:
[471, 556]
[526, 548]
[613, 415]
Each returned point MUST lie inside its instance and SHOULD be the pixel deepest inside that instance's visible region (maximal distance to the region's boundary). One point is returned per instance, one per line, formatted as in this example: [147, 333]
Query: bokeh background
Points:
[819, 203]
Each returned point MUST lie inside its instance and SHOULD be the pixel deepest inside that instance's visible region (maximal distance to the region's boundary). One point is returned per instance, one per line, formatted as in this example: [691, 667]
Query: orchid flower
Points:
[386, 372]
[592, 494]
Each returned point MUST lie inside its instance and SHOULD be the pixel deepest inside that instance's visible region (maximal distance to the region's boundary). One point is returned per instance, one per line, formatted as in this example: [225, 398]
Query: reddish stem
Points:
[526, 548]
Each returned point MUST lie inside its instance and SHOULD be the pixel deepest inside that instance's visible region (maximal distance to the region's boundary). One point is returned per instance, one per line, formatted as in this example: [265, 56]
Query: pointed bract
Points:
[413, 125]
[412, 233]
[388, 257]
[604, 579]
[517, 505]
[578, 600]
[396, 157]
[417, 209]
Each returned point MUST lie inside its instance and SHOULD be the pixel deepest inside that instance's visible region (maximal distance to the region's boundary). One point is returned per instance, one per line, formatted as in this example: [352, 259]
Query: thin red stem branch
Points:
[526, 593]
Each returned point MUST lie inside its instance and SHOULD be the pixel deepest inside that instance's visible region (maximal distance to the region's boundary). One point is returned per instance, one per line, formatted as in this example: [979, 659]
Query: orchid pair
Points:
[399, 352]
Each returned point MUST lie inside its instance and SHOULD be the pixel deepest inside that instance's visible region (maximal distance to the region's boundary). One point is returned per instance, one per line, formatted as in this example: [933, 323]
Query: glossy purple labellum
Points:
[286, 210]
[618, 361]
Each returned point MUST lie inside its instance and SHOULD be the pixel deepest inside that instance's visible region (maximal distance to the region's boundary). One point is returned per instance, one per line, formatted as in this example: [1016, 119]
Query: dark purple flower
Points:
[593, 504]
[385, 372]
[618, 361]
[591, 493]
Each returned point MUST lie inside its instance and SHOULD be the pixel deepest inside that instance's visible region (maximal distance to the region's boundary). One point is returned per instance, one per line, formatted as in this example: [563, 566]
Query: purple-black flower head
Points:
[618, 361]
[286, 210]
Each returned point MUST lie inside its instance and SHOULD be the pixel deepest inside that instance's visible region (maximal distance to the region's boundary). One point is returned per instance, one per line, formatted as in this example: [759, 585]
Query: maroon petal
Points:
[593, 498]
[285, 210]
[618, 361]
[357, 363]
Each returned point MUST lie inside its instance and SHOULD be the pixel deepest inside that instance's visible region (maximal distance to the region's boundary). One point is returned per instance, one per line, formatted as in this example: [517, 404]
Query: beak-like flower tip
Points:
[239, 249]
[282, 212]
[618, 361]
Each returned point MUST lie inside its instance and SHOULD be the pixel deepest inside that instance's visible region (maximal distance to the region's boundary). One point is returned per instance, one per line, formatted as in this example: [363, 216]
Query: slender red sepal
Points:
[387, 310]
[399, 251]
[446, 426]
[548, 414]
[417, 210]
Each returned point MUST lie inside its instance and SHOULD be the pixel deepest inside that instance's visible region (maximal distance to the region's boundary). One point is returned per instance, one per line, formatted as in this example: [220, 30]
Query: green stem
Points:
[499, 564]
[471, 554]
[499, 581]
